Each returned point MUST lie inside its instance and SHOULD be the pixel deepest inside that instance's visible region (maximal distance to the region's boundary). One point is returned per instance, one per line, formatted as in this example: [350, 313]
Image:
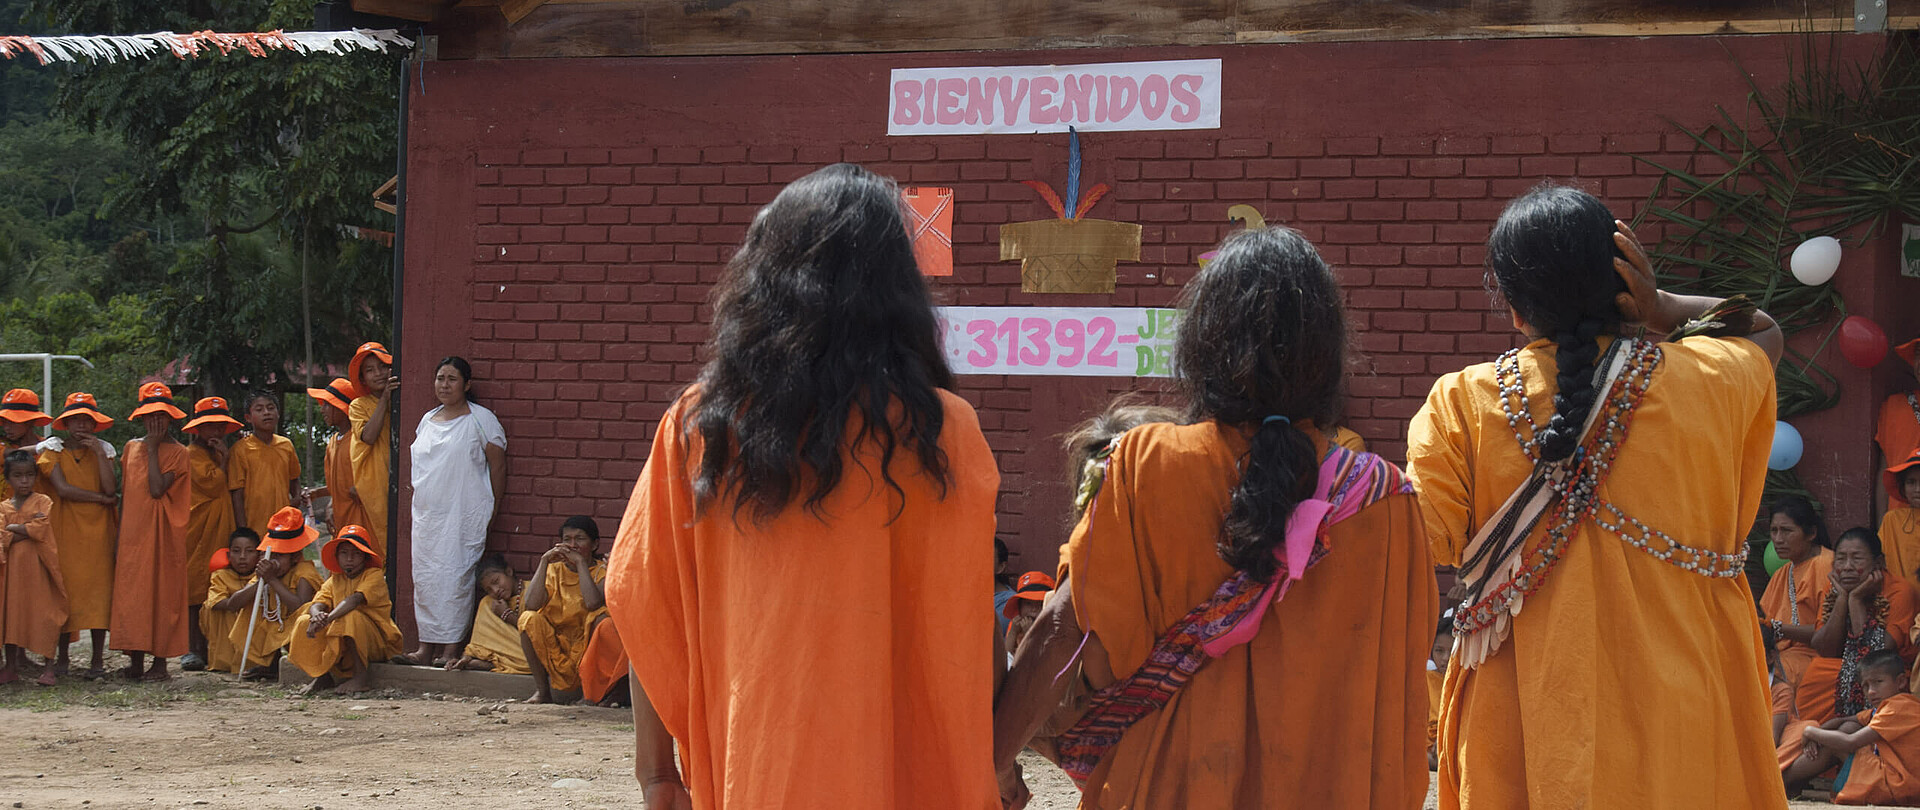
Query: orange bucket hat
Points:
[338, 393]
[288, 532]
[330, 553]
[211, 412]
[1034, 586]
[81, 403]
[360, 355]
[23, 405]
[1908, 350]
[156, 397]
[1892, 475]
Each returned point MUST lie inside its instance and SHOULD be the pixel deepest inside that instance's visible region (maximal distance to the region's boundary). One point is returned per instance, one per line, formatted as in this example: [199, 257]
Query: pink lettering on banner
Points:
[979, 102]
[1076, 101]
[1105, 97]
[949, 108]
[1042, 112]
[906, 103]
[1122, 93]
[1186, 99]
[1153, 95]
[1061, 341]
[1012, 93]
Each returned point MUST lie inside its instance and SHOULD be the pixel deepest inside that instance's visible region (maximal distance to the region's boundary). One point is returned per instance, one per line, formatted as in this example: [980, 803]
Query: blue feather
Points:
[1073, 172]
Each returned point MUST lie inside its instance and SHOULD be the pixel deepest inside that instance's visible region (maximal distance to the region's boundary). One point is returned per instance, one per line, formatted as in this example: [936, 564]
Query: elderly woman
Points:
[459, 477]
[1549, 477]
[1197, 534]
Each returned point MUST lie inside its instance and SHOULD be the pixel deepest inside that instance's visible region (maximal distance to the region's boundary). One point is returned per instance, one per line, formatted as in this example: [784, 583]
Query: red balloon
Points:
[1862, 341]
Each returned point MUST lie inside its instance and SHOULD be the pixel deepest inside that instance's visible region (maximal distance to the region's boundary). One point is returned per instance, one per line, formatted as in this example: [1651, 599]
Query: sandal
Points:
[192, 662]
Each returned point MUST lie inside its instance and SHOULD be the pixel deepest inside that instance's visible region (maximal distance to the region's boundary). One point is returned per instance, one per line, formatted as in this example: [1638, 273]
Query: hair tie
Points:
[1284, 422]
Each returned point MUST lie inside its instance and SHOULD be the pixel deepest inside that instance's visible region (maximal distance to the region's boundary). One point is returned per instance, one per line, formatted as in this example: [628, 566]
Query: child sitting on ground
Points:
[291, 581]
[496, 643]
[564, 603]
[225, 606]
[350, 622]
[1029, 593]
[1900, 527]
[33, 598]
[1878, 750]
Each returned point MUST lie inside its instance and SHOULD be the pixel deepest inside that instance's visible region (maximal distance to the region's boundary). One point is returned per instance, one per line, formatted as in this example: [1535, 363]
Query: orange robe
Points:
[1802, 607]
[264, 470]
[1616, 643]
[339, 471]
[223, 655]
[1898, 434]
[559, 630]
[370, 464]
[275, 624]
[890, 595]
[150, 571]
[1900, 540]
[33, 598]
[370, 626]
[1349, 439]
[1261, 726]
[209, 520]
[604, 664]
[85, 533]
[1887, 772]
[1813, 698]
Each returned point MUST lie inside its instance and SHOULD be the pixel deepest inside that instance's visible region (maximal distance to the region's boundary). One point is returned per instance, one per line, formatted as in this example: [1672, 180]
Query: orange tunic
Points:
[209, 520]
[1802, 607]
[370, 464]
[1887, 772]
[275, 623]
[265, 471]
[1900, 540]
[150, 571]
[370, 626]
[85, 533]
[1898, 434]
[223, 655]
[777, 653]
[33, 598]
[1616, 643]
[604, 664]
[1813, 697]
[1264, 725]
[339, 471]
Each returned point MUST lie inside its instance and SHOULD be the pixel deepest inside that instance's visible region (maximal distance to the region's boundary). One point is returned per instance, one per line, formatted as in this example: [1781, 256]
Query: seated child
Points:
[291, 581]
[564, 603]
[496, 643]
[33, 597]
[1029, 593]
[350, 621]
[1878, 750]
[1900, 526]
[231, 567]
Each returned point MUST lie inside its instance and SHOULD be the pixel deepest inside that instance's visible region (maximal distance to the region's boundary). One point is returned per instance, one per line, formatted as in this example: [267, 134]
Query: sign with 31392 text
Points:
[1060, 341]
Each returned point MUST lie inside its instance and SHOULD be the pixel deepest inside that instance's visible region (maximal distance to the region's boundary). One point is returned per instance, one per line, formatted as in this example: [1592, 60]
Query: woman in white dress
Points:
[459, 475]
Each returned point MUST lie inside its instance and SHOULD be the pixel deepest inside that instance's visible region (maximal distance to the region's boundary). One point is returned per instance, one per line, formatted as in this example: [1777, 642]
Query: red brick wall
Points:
[566, 219]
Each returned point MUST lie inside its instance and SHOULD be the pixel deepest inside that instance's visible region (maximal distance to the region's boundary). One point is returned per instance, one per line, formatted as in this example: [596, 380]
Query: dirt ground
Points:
[208, 741]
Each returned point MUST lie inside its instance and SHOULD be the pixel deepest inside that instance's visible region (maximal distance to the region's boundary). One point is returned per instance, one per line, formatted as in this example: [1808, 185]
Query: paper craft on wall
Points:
[932, 228]
[1070, 254]
[1241, 213]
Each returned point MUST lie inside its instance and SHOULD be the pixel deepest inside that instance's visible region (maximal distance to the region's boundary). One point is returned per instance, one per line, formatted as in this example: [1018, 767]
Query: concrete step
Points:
[466, 683]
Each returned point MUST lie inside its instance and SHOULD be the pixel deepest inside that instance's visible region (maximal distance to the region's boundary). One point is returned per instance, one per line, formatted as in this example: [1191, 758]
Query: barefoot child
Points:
[209, 513]
[150, 566]
[564, 602]
[496, 624]
[80, 478]
[291, 581]
[1878, 750]
[262, 470]
[33, 600]
[224, 606]
[347, 510]
[369, 441]
[350, 622]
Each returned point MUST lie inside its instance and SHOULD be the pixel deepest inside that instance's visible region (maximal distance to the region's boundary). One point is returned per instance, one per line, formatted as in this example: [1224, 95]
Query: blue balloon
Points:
[1787, 447]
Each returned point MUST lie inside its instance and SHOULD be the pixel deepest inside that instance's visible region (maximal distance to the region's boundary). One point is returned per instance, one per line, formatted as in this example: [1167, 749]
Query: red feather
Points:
[1046, 193]
[1093, 195]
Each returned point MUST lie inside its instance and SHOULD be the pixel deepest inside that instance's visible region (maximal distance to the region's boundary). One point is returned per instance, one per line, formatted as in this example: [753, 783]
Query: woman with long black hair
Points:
[1595, 489]
[1251, 604]
[803, 575]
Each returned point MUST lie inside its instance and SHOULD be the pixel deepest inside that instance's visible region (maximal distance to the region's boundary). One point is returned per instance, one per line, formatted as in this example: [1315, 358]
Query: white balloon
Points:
[1815, 260]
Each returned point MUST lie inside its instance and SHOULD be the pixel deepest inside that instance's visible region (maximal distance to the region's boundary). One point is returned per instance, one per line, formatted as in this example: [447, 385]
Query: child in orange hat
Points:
[262, 470]
[334, 402]
[564, 603]
[150, 567]
[19, 414]
[33, 598]
[1897, 432]
[369, 440]
[209, 513]
[79, 477]
[1024, 606]
[1900, 526]
[350, 622]
[291, 581]
[231, 567]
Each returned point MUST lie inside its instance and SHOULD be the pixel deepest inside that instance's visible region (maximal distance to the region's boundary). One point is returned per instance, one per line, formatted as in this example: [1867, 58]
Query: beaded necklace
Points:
[1849, 690]
[1575, 483]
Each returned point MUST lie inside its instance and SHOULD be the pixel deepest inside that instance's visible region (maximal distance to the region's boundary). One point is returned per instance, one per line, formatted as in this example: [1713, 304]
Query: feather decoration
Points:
[1047, 193]
[1073, 175]
[1730, 318]
[1093, 196]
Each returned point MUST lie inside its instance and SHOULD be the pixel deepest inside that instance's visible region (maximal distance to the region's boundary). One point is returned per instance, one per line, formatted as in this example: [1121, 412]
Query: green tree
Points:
[119, 337]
